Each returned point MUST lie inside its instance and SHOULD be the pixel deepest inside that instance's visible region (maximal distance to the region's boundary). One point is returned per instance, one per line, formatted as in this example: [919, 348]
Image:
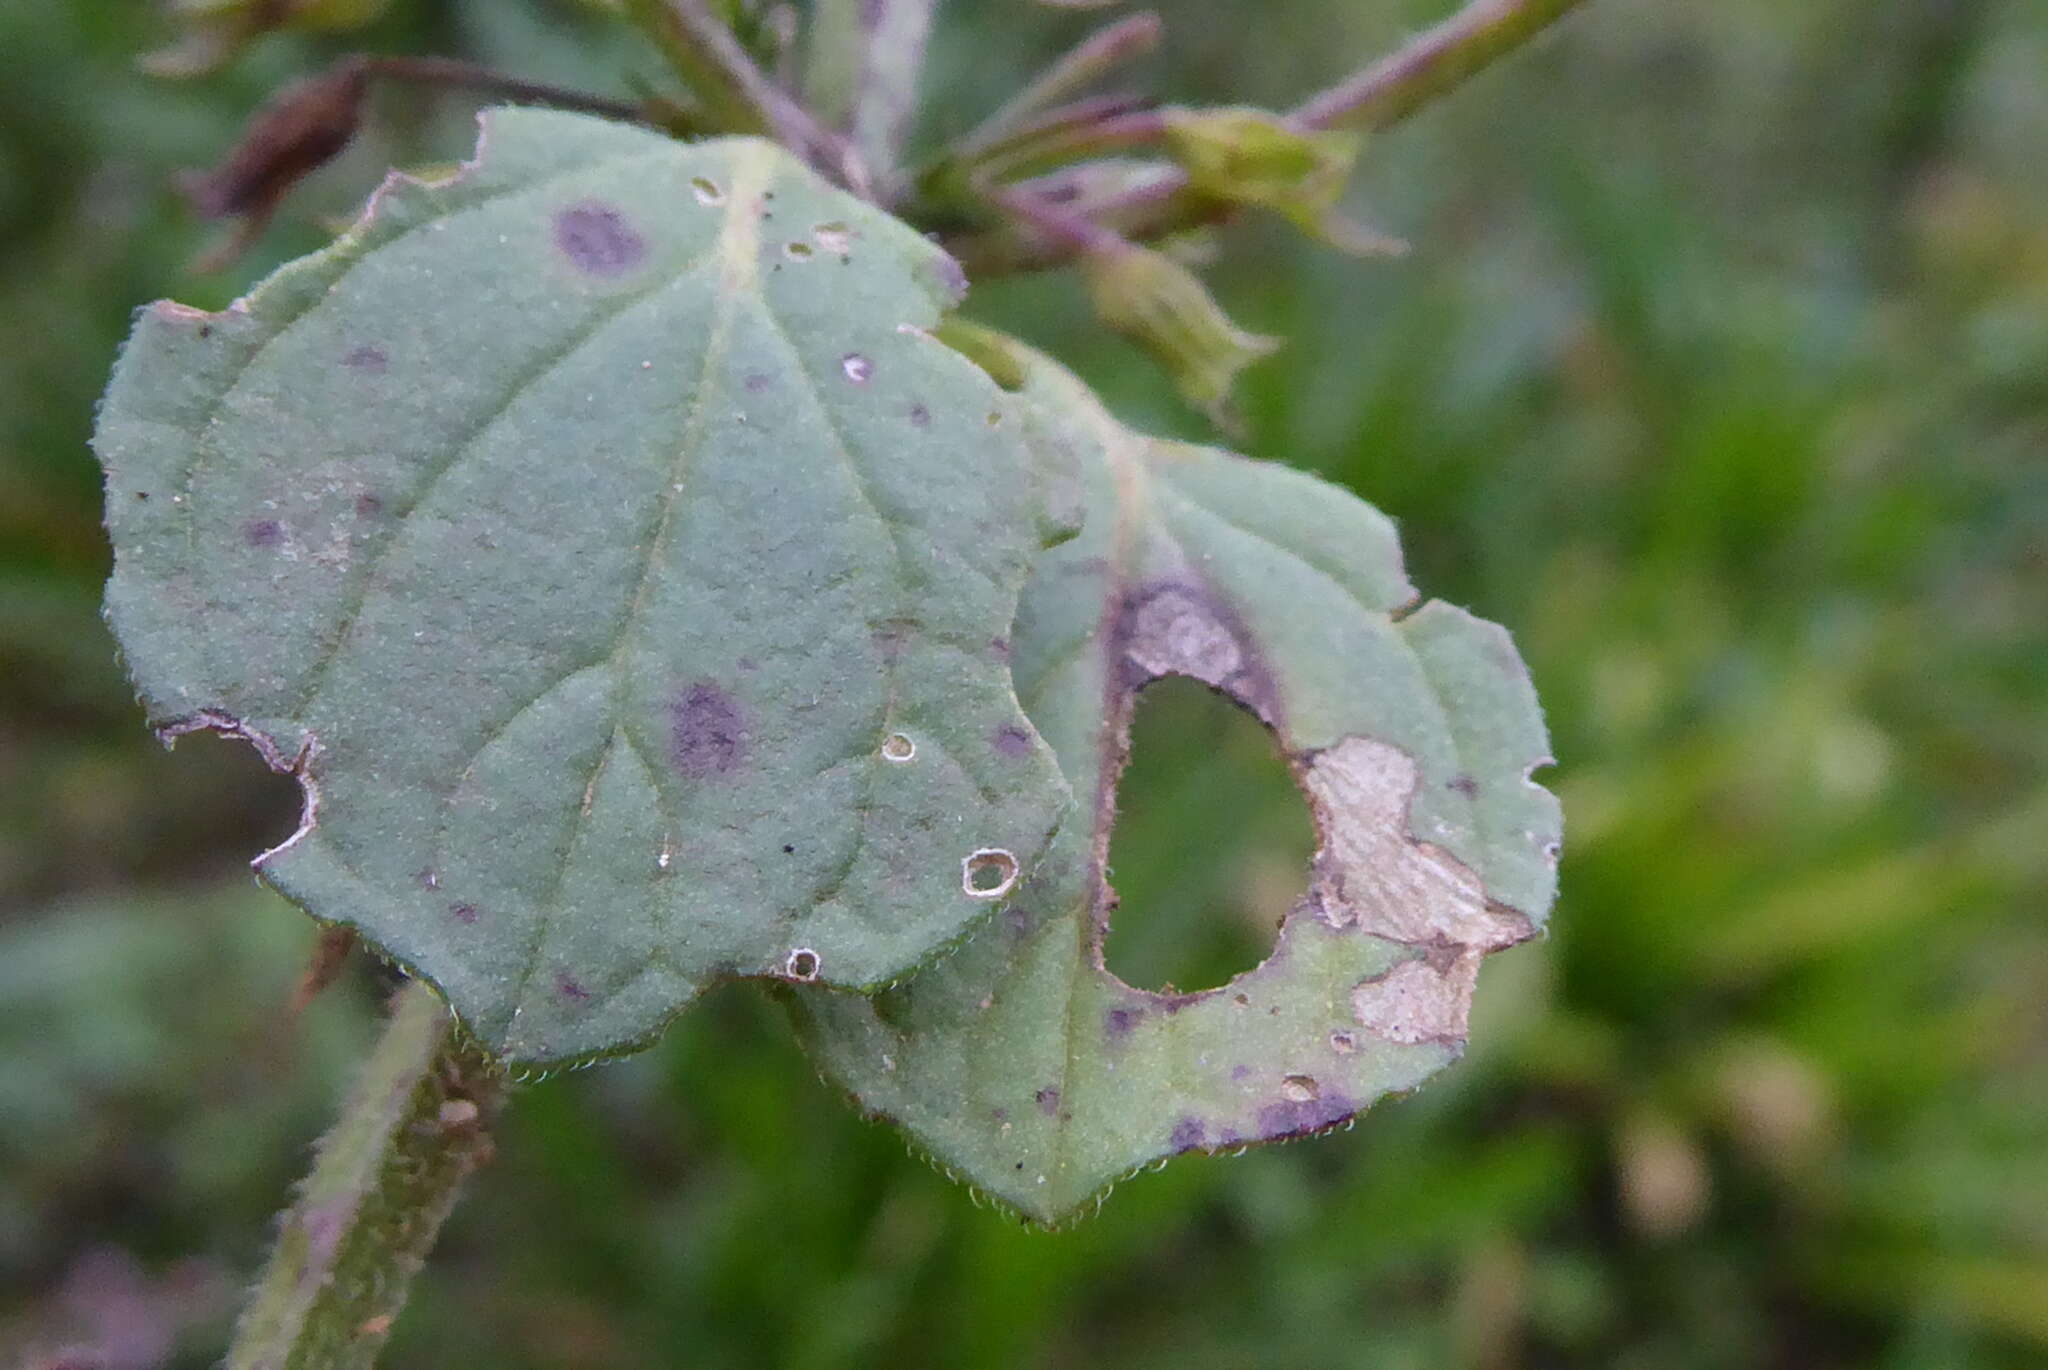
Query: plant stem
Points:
[832, 61]
[1379, 96]
[1437, 60]
[1064, 141]
[893, 34]
[384, 1178]
[1080, 67]
[447, 71]
[740, 97]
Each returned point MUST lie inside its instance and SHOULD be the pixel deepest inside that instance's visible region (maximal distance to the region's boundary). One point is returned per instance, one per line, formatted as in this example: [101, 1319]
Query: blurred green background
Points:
[1719, 373]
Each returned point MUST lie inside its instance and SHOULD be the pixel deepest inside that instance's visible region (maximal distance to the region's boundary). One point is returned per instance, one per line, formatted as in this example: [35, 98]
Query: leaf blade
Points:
[580, 528]
[1021, 1062]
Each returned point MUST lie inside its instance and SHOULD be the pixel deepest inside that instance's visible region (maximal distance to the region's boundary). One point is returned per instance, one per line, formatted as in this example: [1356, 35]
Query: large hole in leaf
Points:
[1211, 845]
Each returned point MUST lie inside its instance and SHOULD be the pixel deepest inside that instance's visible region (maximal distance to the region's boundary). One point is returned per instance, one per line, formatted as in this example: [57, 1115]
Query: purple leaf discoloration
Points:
[707, 732]
[596, 239]
[1301, 1117]
[1011, 741]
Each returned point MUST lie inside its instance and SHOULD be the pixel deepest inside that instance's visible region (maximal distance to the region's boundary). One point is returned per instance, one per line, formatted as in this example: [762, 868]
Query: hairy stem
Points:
[384, 1179]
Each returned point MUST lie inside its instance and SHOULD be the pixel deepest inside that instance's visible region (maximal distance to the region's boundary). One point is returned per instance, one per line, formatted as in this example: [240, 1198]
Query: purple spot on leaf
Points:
[1465, 785]
[568, 988]
[1187, 1134]
[1118, 1022]
[367, 358]
[464, 913]
[263, 532]
[707, 732]
[920, 417]
[1048, 1101]
[1011, 741]
[369, 506]
[1298, 1117]
[596, 238]
[756, 382]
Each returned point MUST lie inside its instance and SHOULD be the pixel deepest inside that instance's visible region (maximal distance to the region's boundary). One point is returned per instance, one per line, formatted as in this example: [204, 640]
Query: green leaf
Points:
[1020, 1062]
[621, 564]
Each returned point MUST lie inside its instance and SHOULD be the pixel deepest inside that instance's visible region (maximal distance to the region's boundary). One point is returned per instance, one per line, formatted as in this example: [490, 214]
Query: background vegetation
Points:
[1719, 372]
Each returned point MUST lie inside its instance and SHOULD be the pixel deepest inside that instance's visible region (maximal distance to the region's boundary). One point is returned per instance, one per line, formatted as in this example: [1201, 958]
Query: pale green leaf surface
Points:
[1020, 1062]
[580, 529]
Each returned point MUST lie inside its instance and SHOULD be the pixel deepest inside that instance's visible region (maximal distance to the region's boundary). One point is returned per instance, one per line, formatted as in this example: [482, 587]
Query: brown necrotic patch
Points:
[1373, 874]
[1183, 628]
[1418, 1001]
[707, 732]
[596, 239]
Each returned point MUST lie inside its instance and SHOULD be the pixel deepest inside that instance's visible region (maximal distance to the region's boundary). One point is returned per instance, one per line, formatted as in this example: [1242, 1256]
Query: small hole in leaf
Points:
[857, 368]
[989, 873]
[1300, 1089]
[798, 251]
[833, 236]
[802, 964]
[707, 191]
[897, 747]
[1211, 845]
[1343, 1043]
